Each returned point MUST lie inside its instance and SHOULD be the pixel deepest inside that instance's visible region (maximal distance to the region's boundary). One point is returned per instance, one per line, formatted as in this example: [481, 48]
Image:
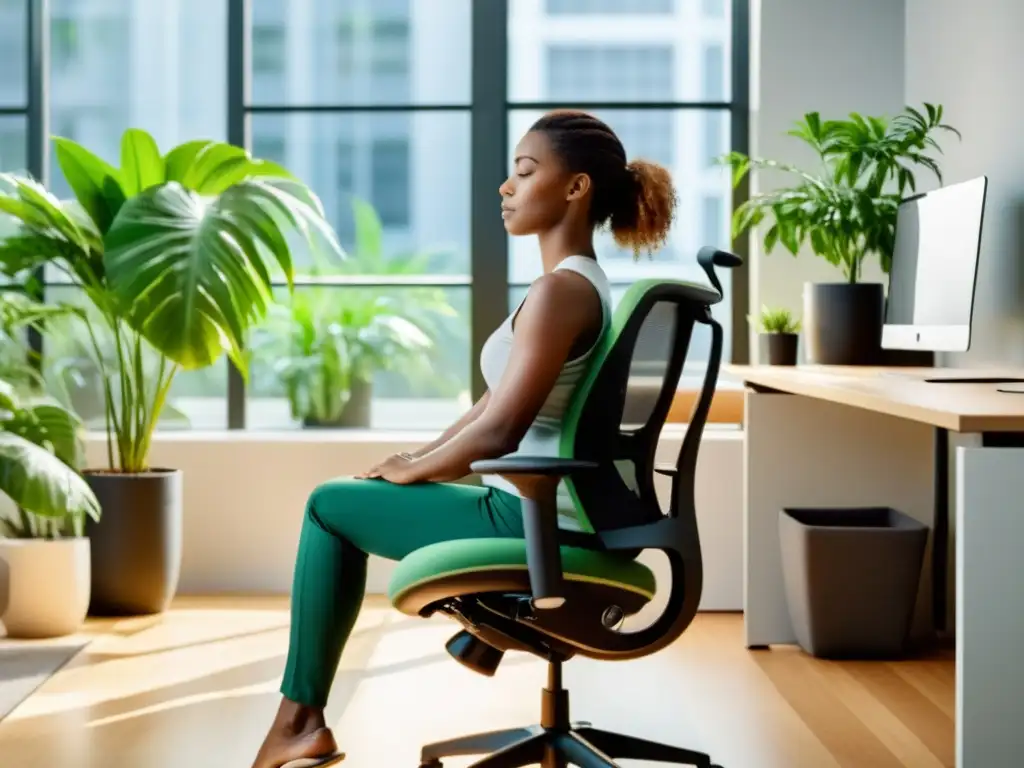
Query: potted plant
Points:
[44, 557]
[846, 212]
[327, 345]
[779, 336]
[175, 255]
[44, 553]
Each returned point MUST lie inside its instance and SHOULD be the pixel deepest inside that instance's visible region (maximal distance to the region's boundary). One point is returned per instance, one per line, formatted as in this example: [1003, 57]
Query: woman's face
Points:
[540, 190]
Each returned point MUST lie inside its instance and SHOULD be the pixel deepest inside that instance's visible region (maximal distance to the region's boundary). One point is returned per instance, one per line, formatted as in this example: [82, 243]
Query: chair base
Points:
[558, 743]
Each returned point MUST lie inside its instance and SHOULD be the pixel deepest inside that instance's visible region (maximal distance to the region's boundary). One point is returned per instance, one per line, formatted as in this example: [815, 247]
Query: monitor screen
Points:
[934, 269]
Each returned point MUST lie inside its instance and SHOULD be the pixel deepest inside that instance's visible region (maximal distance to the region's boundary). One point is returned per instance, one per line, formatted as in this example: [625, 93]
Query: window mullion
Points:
[238, 134]
[38, 119]
[489, 147]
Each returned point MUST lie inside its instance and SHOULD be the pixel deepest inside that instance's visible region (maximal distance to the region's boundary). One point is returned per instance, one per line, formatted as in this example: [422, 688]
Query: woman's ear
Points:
[579, 185]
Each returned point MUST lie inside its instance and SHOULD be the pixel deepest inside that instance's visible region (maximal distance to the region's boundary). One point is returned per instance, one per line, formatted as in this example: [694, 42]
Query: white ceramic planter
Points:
[44, 586]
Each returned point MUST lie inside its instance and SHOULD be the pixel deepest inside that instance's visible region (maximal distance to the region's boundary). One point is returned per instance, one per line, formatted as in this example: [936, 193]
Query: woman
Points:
[570, 177]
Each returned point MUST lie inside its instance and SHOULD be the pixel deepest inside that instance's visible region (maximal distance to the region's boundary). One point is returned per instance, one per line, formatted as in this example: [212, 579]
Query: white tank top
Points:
[542, 437]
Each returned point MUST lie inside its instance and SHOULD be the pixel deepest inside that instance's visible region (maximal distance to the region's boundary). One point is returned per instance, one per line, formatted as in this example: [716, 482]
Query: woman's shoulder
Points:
[565, 298]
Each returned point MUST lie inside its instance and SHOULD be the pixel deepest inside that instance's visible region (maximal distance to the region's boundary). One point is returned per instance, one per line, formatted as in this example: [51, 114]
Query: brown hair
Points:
[636, 198]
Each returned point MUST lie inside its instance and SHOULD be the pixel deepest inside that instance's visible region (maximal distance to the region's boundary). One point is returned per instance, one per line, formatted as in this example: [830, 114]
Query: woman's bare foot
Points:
[298, 731]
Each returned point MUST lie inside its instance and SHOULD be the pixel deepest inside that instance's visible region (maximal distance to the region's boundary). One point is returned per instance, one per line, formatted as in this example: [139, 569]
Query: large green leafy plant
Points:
[175, 253]
[846, 208]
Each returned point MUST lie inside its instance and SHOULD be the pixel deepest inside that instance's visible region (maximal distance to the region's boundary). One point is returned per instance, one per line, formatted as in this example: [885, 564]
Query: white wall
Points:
[830, 56]
[968, 57]
[245, 493]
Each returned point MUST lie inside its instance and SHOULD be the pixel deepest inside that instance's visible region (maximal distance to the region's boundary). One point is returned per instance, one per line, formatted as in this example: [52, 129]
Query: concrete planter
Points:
[851, 579]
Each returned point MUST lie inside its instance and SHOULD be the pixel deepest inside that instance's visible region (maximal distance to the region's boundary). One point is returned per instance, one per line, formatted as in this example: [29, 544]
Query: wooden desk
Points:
[905, 393]
[831, 436]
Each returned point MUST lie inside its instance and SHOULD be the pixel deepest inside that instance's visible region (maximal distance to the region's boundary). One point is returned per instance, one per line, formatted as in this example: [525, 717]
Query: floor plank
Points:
[198, 687]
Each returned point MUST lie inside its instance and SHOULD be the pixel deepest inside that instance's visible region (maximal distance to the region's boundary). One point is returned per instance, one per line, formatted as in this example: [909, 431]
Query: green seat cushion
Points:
[464, 557]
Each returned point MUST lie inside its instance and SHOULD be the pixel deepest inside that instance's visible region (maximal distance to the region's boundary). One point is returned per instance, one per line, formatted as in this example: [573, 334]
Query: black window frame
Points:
[489, 109]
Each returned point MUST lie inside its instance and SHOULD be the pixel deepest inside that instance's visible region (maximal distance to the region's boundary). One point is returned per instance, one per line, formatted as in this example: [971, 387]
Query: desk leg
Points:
[990, 607]
[940, 536]
[801, 452]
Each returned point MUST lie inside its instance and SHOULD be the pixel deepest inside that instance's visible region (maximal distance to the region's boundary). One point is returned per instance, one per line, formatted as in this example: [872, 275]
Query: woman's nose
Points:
[506, 188]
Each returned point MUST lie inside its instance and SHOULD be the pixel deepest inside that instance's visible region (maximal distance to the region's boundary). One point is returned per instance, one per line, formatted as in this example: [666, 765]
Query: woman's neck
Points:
[558, 244]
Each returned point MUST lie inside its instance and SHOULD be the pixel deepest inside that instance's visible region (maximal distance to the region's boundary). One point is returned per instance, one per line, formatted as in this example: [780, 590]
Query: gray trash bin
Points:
[852, 578]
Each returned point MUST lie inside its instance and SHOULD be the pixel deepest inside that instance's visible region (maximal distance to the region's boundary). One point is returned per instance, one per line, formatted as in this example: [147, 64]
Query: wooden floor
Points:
[197, 688]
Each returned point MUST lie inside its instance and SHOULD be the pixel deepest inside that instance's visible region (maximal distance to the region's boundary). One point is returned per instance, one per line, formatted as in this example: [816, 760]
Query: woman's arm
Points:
[467, 418]
[559, 309]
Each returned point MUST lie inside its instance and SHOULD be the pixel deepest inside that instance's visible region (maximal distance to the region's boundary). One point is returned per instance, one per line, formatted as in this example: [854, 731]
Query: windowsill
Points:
[269, 419]
[349, 436]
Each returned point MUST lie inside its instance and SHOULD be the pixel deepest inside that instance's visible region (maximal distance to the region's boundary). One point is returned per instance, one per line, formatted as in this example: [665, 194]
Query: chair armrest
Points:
[537, 479]
[531, 465]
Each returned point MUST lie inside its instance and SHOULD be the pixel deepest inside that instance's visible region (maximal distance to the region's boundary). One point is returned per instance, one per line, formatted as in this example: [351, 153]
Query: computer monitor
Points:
[934, 269]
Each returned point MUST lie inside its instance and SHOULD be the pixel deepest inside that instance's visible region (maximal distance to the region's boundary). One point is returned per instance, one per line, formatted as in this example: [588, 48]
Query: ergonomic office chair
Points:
[559, 593]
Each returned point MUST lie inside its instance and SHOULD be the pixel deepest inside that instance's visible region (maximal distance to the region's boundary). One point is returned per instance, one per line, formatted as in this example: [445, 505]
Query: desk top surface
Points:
[903, 392]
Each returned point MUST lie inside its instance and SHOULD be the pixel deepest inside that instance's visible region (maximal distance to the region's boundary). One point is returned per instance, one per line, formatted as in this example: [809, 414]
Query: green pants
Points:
[345, 521]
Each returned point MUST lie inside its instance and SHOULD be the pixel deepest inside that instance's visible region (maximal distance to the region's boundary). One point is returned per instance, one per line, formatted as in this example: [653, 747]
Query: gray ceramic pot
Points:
[136, 546]
[843, 323]
[779, 348]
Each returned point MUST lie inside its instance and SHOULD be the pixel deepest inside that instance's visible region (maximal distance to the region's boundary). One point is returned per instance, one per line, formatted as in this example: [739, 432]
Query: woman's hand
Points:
[394, 469]
[374, 471]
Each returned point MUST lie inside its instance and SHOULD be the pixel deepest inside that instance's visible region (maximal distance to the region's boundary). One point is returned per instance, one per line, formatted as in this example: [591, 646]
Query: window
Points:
[368, 52]
[715, 138]
[596, 73]
[566, 7]
[344, 163]
[346, 47]
[636, 73]
[13, 141]
[713, 9]
[390, 47]
[268, 50]
[713, 221]
[713, 72]
[371, 102]
[269, 148]
[394, 176]
[63, 42]
[390, 181]
[13, 53]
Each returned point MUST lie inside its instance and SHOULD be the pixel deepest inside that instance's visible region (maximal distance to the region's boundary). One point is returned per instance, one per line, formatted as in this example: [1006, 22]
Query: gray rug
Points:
[24, 667]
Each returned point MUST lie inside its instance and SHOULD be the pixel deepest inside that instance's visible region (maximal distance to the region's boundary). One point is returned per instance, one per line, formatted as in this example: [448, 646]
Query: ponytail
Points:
[637, 199]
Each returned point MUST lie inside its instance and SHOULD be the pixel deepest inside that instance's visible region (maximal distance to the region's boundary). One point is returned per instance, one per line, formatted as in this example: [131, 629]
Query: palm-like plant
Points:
[175, 253]
[847, 210]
